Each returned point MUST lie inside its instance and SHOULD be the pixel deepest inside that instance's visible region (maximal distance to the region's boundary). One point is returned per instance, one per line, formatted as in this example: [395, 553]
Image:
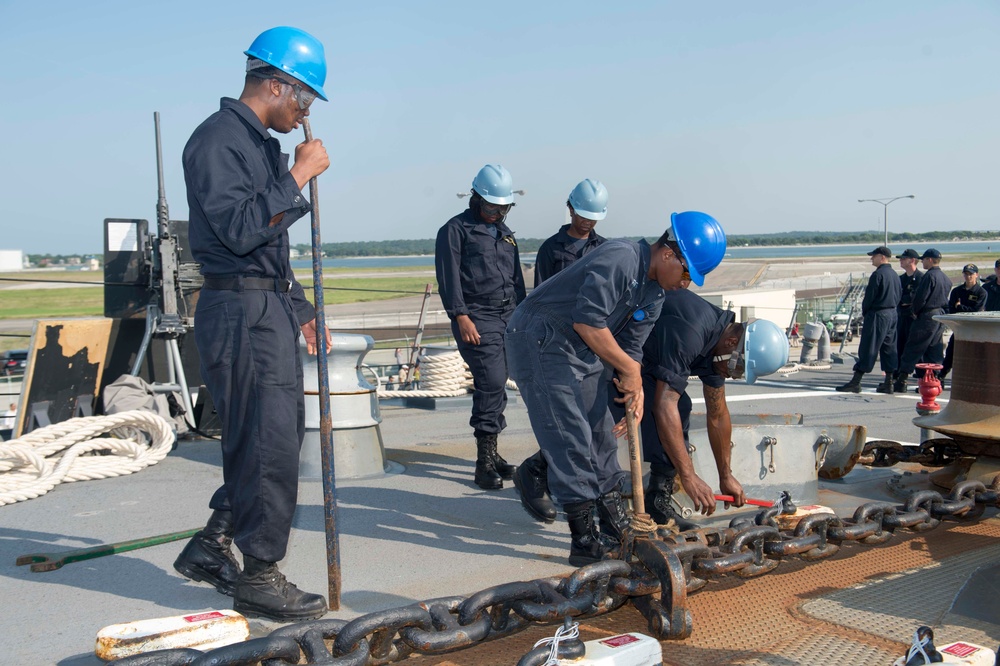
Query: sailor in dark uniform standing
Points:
[930, 299]
[588, 205]
[243, 198]
[878, 329]
[908, 280]
[969, 296]
[480, 281]
[992, 287]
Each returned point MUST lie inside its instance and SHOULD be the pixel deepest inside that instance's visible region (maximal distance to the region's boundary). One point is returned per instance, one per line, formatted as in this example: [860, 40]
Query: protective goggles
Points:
[303, 97]
[491, 209]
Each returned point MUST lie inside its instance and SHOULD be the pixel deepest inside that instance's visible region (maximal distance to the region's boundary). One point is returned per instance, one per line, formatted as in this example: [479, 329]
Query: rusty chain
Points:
[657, 577]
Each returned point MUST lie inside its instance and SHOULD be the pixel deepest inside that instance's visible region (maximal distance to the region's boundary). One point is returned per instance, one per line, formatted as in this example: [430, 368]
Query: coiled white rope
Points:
[441, 376]
[73, 450]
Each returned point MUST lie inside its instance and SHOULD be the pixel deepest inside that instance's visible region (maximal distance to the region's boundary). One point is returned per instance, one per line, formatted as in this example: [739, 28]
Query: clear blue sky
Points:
[770, 116]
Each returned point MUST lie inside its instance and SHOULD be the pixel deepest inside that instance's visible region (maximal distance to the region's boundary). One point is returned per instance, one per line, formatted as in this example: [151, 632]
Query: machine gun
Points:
[153, 275]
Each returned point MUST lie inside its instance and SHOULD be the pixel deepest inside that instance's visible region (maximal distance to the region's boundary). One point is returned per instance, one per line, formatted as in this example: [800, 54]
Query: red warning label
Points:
[618, 641]
[961, 649]
[203, 616]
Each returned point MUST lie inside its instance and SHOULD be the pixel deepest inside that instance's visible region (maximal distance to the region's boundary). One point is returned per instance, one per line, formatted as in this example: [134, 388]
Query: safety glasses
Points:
[494, 209]
[303, 97]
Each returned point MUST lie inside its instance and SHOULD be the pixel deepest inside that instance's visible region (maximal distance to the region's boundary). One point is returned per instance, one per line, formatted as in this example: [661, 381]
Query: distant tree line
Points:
[396, 248]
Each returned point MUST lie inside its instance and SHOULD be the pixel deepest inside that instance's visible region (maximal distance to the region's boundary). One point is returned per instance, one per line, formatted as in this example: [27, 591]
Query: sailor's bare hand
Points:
[728, 485]
[467, 329]
[700, 493]
[309, 333]
[310, 161]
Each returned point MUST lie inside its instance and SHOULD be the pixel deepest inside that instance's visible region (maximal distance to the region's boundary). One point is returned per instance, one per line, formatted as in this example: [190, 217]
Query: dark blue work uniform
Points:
[962, 300]
[930, 299]
[992, 287]
[563, 383]
[561, 250]
[479, 274]
[680, 346]
[878, 328]
[908, 289]
[247, 328]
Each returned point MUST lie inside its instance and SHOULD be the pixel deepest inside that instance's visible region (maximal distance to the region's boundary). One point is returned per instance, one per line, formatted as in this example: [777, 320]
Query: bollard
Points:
[357, 440]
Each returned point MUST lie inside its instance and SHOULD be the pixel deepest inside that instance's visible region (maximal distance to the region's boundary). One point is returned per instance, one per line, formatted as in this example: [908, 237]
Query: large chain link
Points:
[657, 578]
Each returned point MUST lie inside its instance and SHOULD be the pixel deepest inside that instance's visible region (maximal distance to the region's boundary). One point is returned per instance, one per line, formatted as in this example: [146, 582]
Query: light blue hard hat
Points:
[702, 242]
[589, 199]
[765, 348]
[295, 52]
[494, 184]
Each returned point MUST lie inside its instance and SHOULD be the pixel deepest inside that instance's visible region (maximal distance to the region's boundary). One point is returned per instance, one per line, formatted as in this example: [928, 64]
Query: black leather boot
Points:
[613, 514]
[588, 544]
[899, 383]
[853, 386]
[531, 481]
[208, 556]
[886, 385]
[263, 591]
[501, 466]
[658, 496]
[487, 476]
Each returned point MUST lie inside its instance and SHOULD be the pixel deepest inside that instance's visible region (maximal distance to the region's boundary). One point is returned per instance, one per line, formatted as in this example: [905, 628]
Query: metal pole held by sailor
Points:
[325, 422]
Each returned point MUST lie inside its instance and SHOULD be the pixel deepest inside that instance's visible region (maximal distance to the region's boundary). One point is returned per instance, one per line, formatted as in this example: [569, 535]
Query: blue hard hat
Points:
[702, 242]
[765, 348]
[589, 199]
[295, 52]
[494, 184]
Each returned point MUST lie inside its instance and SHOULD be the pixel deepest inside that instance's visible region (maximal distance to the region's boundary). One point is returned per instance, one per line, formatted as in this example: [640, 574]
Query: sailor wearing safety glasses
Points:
[479, 278]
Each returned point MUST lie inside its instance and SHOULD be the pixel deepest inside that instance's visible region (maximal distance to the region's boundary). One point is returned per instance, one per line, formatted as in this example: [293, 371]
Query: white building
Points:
[11, 260]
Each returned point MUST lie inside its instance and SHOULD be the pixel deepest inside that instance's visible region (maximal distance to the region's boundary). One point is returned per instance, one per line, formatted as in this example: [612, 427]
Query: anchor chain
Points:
[657, 578]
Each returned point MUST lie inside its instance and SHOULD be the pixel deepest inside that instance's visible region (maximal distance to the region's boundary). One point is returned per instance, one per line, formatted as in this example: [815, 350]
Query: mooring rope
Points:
[73, 450]
[441, 376]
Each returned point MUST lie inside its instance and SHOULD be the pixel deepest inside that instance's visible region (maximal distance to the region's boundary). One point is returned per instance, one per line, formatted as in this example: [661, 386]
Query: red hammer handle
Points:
[755, 502]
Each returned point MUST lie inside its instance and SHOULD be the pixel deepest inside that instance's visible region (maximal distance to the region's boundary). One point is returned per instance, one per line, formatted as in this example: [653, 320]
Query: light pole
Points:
[885, 209]
[469, 194]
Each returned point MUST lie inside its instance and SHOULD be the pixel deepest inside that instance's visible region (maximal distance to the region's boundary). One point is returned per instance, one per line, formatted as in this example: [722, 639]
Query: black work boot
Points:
[208, 556]
[853, 386]
[588, 544]
[658, 496]
[487, 476]
[899, 384]
[531, 481]
[263, 591]
[613, 514]
[501, 466]
[886, 385]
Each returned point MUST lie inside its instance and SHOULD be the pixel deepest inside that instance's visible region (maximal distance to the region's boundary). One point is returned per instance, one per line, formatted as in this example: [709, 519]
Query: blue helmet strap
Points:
[736, 359]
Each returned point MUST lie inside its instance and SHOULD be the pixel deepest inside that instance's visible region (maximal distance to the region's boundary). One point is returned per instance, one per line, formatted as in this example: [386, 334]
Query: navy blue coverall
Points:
[479, 274]
[992, 287]
[908, 289]
[560, 250]
[925, 333]
[962, 300]
[247, 336]
[680, 346]
[563, 383]
[878, 328]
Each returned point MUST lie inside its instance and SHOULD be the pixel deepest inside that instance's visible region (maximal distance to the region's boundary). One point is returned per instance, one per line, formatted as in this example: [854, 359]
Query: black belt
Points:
[242, 282]
[493, 303]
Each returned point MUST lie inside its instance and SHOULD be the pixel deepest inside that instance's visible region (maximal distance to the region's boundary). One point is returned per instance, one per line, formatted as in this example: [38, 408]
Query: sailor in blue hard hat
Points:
[563, 343]
[242, 199]
[479, 276]
[587, 205]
